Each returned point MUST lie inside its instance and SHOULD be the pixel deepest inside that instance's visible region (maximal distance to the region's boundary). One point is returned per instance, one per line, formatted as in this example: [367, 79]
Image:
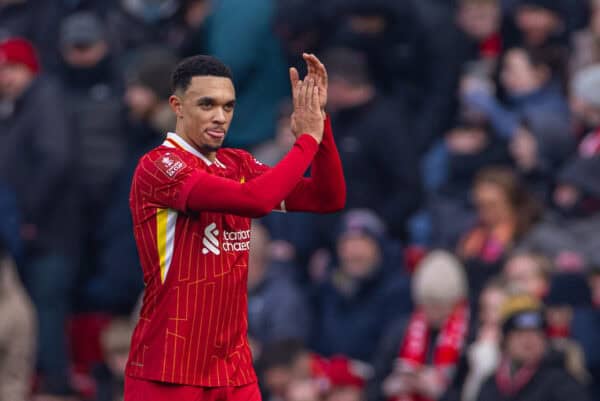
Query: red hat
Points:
[19, 51]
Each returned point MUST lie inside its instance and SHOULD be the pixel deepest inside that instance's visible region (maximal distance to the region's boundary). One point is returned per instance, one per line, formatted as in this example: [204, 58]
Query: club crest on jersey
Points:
[210, 240]
[170, 164]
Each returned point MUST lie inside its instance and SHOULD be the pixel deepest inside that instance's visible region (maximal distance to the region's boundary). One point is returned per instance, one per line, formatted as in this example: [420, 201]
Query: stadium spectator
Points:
[281, 363]
[110, 376]
[115, 286]
[471, 146]
[132, 24]
[362, 295]
[585, 105]
[468, 148]
[277, 308]
[483, 354]
[17, 334]
[93, 90]
[194, 15]
[418, 356]
[35, 160]
[571, 322]
[536, 116]
[505, 213]
[567, 236]
[538, 23]
[479, 23]
[335, 379]
[586, 51]
[376, 145]
[528, 273]
[407, 56]
[528, 369]
[252, 51]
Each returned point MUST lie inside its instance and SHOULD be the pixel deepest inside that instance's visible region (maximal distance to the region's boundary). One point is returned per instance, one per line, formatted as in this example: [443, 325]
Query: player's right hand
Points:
[307, 117]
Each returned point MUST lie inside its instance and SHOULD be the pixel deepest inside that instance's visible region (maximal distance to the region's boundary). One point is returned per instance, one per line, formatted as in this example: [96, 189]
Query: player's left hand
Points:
[317, 71]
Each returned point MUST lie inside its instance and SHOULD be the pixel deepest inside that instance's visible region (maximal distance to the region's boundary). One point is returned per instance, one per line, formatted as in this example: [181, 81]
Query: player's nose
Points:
[219, 116]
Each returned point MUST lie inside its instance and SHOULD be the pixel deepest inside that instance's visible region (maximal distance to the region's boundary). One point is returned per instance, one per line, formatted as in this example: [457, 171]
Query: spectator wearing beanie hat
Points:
[35, 160]
[419, 356]
[94, 92]
[527, 370]
[362, 295]
[18, 67]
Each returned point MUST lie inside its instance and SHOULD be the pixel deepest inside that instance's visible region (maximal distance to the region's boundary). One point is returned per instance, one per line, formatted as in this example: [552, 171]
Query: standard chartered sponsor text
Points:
[236, 241]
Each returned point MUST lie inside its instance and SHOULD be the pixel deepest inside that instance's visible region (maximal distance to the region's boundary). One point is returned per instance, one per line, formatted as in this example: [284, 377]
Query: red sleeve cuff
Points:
[307, 143]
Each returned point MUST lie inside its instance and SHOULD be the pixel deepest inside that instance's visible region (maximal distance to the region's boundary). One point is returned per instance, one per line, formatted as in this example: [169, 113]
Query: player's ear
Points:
[175, 103]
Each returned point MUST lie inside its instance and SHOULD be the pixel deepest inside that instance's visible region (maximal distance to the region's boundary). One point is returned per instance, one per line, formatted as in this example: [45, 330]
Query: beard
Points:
[211, 148]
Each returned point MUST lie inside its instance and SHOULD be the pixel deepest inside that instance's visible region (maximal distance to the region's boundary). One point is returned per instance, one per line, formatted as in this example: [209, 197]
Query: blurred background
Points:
[466, 266]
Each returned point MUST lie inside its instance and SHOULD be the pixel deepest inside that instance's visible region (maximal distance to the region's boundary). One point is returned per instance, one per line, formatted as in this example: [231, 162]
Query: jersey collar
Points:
[173, 140]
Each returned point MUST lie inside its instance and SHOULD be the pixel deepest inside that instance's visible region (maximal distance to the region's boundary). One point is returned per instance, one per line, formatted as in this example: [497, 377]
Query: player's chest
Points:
[230, 171]
[222, 233]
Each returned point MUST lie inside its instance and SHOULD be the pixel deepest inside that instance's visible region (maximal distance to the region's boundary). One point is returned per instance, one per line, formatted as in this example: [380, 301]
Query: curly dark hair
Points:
[200, 65]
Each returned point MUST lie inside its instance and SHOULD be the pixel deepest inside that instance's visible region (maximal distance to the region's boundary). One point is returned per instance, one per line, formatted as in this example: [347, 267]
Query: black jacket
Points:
[35, 159]
[380, 160]
[550, 383]
[352, 323]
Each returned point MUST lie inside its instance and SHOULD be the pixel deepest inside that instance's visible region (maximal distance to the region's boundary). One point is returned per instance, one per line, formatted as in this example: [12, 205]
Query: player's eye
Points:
[206, 104]
[229, 107]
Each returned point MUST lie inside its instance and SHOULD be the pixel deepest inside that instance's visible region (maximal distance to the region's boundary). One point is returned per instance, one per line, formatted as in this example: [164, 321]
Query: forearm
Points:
[325, 190]
[258, 196]
[503, 121]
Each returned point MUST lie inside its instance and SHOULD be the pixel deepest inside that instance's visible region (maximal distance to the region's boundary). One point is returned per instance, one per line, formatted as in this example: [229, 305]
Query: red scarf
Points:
[491, 47]
[510, 384]
[448, 347]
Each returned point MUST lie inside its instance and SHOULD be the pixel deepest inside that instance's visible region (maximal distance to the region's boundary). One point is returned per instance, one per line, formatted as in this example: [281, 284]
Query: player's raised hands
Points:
[307, 117]
[315, 71]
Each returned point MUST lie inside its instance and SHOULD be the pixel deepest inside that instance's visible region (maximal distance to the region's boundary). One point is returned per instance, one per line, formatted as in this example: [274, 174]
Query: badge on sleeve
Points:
[170, 164]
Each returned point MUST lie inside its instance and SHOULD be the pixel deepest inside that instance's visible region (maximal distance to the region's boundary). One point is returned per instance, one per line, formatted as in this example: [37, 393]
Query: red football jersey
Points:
[193, 323]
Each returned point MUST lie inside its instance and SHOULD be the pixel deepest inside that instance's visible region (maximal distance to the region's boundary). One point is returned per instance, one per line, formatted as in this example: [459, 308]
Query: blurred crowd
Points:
[466, 266]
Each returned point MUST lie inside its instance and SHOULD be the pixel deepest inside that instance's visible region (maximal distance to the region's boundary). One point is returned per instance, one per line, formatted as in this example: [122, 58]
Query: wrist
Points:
[312, 137]
[316, 137]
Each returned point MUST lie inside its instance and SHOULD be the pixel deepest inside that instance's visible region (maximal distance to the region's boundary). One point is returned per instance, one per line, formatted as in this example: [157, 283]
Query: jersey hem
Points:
[199, 383]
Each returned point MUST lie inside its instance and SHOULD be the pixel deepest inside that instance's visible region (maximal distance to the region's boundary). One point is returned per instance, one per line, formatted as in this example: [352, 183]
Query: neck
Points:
[210, 154]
